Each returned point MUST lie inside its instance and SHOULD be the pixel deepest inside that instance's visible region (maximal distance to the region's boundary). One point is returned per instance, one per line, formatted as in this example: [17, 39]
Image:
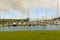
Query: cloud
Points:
[26, 4]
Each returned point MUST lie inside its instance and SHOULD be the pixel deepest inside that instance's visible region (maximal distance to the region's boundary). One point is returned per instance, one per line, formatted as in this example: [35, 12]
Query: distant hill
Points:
[56, 18]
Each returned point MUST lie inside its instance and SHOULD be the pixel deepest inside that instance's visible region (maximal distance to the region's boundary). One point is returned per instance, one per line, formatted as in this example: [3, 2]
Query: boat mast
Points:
[57, 9]
[57, 12]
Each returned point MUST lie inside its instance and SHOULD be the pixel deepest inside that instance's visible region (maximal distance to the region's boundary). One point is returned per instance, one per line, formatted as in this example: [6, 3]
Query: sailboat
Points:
[43, 22]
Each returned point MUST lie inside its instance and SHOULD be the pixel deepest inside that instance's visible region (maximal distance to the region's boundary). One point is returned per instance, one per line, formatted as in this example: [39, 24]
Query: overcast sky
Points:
[21, 9]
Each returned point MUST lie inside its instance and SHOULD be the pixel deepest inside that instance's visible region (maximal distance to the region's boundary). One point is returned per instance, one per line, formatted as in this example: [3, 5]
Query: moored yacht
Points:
[14, 24]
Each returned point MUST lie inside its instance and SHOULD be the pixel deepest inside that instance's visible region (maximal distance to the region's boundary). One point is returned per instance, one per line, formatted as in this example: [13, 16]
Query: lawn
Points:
[31, 35]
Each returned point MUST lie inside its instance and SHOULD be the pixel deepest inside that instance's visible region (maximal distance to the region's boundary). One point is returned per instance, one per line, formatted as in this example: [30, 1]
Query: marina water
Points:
[32, 28]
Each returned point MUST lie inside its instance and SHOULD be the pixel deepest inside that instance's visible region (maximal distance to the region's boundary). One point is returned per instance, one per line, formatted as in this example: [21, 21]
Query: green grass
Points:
[31, 35]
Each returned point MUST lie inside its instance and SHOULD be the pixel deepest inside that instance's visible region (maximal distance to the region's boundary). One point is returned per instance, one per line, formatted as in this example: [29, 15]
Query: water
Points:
[23, 28]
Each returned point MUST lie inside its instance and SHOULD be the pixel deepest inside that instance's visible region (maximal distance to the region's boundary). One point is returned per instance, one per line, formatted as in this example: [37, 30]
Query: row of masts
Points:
[38, 14]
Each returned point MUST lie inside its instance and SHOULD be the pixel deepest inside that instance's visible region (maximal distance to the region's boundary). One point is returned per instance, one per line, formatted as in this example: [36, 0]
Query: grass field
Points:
[31, 35]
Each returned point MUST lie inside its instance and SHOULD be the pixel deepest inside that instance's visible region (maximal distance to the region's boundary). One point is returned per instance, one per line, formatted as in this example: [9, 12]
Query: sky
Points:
[34, 9]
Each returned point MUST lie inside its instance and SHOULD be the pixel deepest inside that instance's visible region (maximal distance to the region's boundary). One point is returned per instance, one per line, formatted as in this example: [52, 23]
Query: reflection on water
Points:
[23, 28]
